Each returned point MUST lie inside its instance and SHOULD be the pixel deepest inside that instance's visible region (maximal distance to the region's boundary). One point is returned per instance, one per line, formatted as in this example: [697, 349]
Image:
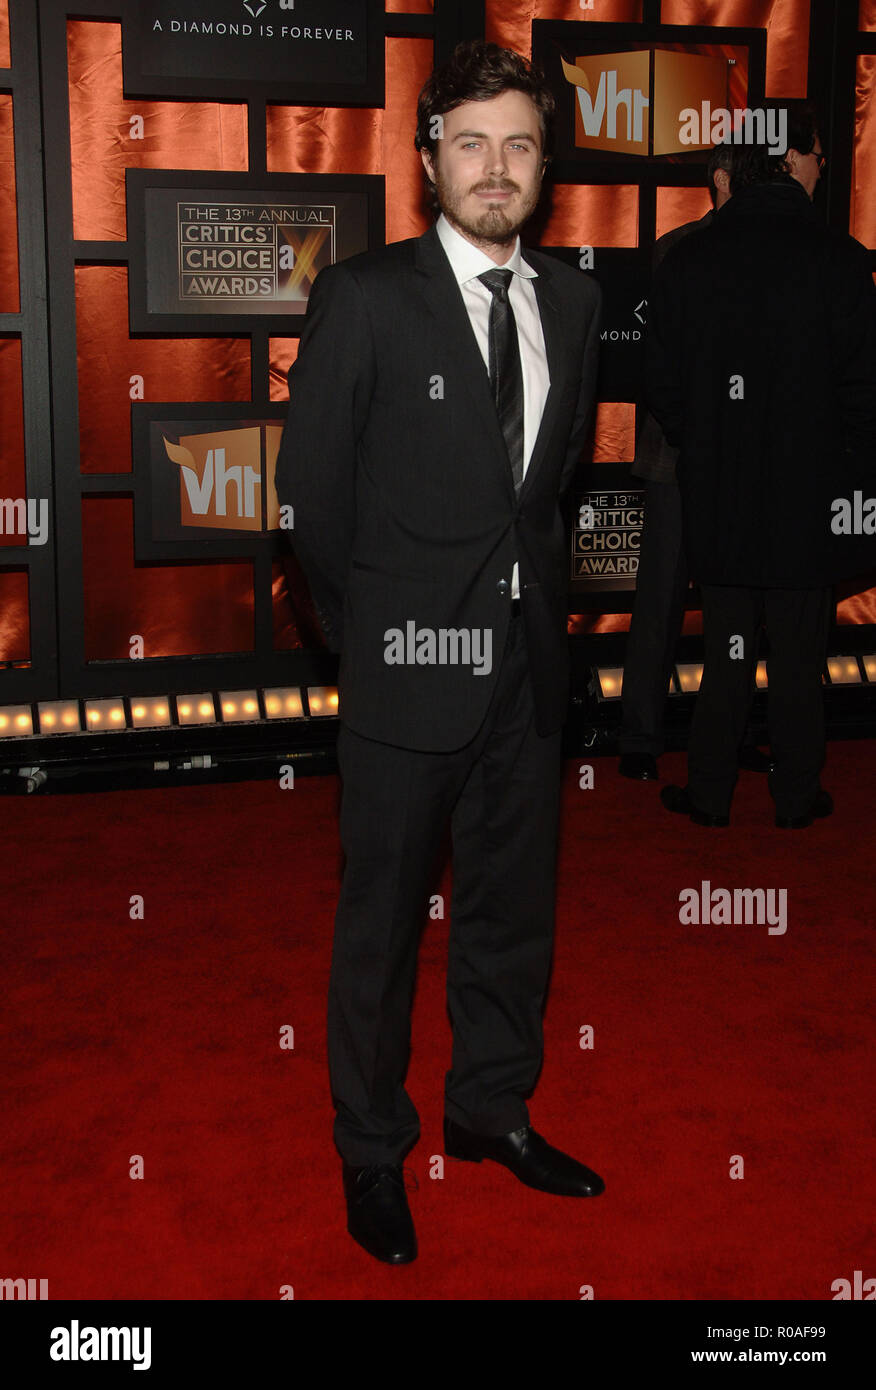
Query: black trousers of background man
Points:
[797, 623]
[501, 795]
[655, 625]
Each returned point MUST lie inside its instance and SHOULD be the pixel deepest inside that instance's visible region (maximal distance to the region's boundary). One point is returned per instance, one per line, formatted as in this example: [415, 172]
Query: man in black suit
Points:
[662, 579]
[761, 368]
[442, 394]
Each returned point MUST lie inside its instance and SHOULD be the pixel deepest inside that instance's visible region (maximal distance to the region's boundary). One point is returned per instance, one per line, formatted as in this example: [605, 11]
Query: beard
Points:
[493, 225]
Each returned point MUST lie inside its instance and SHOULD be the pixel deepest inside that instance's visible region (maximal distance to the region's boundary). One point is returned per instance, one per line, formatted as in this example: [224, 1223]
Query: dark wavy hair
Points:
[477, 71]
[722, 157]
[756, 164]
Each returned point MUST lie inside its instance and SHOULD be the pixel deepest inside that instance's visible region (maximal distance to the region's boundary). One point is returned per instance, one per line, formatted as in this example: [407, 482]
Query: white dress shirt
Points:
[468, 262]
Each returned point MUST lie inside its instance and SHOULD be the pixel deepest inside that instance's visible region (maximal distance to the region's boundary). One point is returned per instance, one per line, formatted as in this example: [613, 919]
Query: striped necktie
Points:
[506, 374]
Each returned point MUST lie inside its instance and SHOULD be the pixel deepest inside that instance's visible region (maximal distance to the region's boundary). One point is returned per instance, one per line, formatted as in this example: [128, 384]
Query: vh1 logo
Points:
[616, 93]
[221, 476]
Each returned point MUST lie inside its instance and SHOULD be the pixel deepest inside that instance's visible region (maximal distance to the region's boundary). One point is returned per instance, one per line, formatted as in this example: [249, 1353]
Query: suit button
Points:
[503, 586]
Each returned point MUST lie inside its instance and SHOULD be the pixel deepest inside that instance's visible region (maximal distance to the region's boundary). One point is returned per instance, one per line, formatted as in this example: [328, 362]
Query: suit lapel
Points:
[551, 326]
[445, 303]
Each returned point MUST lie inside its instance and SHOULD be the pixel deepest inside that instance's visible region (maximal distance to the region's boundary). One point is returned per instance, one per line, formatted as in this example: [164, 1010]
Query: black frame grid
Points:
[264, 666]
[38, 82]
[21, 682]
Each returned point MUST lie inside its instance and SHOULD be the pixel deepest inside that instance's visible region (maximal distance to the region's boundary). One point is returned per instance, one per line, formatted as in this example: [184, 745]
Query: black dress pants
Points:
[797, 623]
[501, 795]
[655, 625]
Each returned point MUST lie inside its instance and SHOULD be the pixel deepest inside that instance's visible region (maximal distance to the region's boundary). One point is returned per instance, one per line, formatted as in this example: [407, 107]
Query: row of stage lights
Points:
[841, 670]
[167, 711]
[254, 706]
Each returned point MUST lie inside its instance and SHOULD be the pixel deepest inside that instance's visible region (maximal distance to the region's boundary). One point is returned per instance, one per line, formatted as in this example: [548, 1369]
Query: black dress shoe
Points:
[678, 799]
[529, 1157]
[642, 767]
[821, 806]
[378, 1215]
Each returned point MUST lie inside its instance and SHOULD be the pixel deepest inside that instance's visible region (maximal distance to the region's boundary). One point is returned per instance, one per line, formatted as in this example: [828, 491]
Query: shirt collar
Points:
[468, 261]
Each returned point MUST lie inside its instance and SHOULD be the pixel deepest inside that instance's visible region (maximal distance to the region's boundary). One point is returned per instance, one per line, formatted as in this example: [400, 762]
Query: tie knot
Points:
[497, 282]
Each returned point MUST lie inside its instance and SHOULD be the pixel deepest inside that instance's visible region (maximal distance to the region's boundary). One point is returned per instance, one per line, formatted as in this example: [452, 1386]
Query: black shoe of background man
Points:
[378, 1215]
[821, 806]
[753, 759]
[678, 799]
[529, 1157]
[642, 767]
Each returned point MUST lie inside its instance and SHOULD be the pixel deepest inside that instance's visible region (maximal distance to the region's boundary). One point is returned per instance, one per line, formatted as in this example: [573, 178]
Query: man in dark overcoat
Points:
[761, 368]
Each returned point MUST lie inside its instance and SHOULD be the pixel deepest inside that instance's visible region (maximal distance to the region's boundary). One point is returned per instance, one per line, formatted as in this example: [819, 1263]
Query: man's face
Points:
[488, 167]
[806, 168]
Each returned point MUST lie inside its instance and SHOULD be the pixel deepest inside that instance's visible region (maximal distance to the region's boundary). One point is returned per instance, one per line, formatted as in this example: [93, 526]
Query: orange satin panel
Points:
[678, 205]
[581, 624]
[510, 23]
[583, 214]
[285, 632]
[856, 600]
[409, 6]
[174, 369]
[862, 219]
[786, 23]
[408, 64]
[9, 301]
[866, 15]
[177, 134]
[176, 609]
[4, 34]
[620, 622]
[324, 139]
[14, 616]
[369, 140]
[283, 353]
[12, 476]
[861, 608]
[615, 433]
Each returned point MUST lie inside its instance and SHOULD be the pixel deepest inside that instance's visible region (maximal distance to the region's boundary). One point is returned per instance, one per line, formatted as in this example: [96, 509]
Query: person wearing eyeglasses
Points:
[804, 165]
[761, 369]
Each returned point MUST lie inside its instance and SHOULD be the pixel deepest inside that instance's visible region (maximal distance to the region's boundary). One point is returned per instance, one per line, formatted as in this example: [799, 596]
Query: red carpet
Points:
[160, 1037]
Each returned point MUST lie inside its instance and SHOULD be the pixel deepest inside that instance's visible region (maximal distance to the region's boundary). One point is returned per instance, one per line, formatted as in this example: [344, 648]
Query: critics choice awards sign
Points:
[327, 50]
[234, 253]
[605, 540]
[205, 248]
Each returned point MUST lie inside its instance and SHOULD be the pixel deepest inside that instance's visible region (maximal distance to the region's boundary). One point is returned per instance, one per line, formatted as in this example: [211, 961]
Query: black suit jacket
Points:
[771, 301]
[404, 507]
